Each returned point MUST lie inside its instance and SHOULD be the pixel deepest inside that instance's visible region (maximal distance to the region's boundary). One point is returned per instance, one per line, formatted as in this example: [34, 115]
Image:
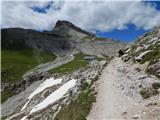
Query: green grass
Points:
[88, 37]
[91, 38]
[100, 58]
[5, 95]
[146, 93]
[99, 38]
[45, 57]
[151, 55]
[78, 109]
[69, 67]
[75, 64]
[15, 63]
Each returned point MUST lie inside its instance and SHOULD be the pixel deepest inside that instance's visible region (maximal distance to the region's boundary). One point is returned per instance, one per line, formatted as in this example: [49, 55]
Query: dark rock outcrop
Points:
[66, 23]
[18, 38]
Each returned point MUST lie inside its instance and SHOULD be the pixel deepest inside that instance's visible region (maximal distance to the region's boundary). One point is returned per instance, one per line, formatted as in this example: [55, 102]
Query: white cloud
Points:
[90, 15]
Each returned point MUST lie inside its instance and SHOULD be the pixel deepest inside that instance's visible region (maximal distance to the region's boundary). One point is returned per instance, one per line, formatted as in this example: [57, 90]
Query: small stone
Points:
[124, 113]
[156, 85]
[136, 116]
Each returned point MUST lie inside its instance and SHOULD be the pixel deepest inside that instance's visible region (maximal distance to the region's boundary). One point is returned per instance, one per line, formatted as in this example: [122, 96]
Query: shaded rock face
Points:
[17, 38]
[62, 39]
[66, 23]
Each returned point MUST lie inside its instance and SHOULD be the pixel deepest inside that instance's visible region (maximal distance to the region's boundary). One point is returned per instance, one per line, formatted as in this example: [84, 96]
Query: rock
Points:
[124, 113]
[156, 85]
[151, 104]
[138, 116]
[148, 92]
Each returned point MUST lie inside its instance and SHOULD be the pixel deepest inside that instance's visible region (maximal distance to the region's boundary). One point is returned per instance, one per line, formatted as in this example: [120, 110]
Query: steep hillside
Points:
[73, 85]
[131, 83]
[146, 50]
[25, 49]
[15, 63]
[36, 66]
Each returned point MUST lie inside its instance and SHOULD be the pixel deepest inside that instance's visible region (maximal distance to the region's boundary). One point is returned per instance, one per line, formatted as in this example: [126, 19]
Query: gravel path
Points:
[111, 104]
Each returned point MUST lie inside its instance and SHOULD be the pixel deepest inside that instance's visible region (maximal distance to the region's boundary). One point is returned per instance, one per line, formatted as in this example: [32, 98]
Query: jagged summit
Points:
[66, 25]
[62, 23]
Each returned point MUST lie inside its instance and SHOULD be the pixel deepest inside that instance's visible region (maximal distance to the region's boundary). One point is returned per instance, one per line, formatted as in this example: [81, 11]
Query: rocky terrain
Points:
[129, 87]
[53, 91]
[119, 93]
[42, 48]
[65, 76]
[67, 56]
[146, 52]
[146, 49]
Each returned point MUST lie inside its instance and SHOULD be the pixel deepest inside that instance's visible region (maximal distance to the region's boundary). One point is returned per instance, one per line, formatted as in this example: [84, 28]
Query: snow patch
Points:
[56, 95]
[24, 118]
[128, 50]
[46, 84]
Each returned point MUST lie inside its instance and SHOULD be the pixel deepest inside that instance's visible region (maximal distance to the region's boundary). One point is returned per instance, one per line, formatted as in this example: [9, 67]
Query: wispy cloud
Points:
[90, 15]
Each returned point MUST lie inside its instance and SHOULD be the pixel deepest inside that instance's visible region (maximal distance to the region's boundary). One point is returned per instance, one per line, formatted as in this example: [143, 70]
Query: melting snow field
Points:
[46, 84]
[56, 95]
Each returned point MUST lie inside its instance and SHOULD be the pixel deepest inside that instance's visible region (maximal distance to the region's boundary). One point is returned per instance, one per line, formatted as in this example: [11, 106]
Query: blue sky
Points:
[124, 21]
[127, 35]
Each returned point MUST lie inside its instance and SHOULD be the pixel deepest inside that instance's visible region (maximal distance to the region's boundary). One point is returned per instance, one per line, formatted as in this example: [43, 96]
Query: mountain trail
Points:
[111, 103]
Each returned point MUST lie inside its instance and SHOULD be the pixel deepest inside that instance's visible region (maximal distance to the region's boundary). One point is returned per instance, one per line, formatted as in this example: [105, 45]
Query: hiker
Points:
[120, 52]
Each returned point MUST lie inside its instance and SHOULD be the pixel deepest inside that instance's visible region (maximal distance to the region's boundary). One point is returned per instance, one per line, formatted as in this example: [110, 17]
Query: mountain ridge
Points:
[64, 38]
[56, 89]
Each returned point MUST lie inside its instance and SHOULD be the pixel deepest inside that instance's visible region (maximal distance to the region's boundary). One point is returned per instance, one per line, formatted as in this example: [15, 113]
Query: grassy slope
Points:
[78, 109]
[15, 63]
[75, 64]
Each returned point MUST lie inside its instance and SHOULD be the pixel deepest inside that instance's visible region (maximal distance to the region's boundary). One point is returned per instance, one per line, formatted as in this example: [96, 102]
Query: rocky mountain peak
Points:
[63, 24]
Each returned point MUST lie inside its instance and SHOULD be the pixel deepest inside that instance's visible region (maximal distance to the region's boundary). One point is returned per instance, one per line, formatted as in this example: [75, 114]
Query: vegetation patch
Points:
[153, 72]
[146, 93]
[154, 58]
[151, 55]
[5, 95]
[99, 38]
[79, 108]
[16, 62]
[75, 64]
